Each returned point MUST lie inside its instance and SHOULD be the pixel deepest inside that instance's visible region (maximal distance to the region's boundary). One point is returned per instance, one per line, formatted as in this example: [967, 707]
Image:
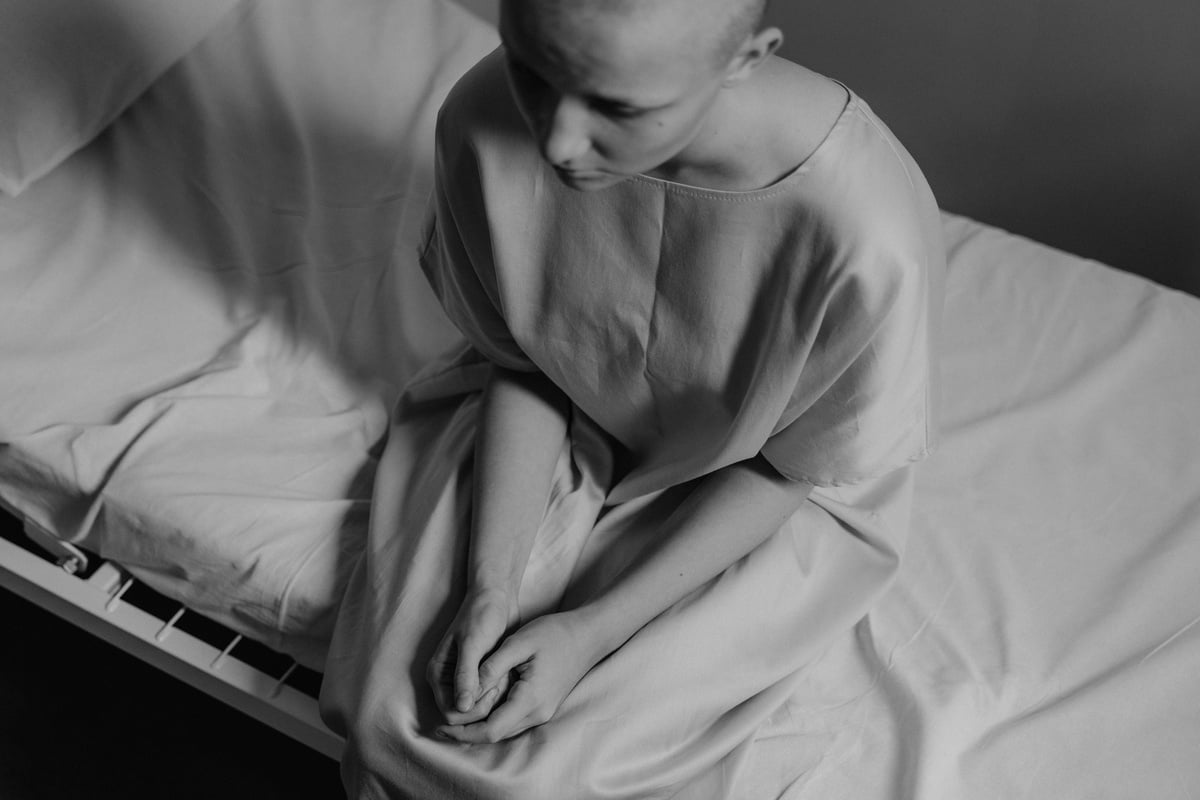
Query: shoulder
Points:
[871, 197]
[853, 172]
[866, 223]
[479, 106]
[792, 110]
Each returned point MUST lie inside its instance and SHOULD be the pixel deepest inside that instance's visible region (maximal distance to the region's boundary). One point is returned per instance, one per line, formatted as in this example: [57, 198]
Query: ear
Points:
[750, 56]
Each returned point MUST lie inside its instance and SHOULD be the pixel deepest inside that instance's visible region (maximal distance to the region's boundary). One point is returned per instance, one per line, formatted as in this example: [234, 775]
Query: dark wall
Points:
[1074, 122]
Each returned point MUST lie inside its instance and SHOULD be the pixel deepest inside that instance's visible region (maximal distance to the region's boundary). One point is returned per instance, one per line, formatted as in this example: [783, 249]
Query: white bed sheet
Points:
[1041, 640]
[205, 314]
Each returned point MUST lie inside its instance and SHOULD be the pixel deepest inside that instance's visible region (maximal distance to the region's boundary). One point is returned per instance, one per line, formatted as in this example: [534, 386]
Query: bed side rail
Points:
[105, 600]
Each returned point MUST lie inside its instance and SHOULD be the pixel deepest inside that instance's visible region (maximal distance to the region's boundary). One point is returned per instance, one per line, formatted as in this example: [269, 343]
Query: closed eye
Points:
[605, 106]
[616, 109]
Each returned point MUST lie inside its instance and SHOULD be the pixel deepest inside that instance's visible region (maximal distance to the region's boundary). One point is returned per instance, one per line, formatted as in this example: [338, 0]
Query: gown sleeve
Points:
[862, 403]
[457, 254]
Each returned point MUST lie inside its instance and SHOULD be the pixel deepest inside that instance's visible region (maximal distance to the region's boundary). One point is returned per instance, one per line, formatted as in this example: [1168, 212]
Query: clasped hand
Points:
[520, 685]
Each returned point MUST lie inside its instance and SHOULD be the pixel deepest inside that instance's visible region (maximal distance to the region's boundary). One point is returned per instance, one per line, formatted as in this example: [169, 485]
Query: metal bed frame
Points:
[105, 600]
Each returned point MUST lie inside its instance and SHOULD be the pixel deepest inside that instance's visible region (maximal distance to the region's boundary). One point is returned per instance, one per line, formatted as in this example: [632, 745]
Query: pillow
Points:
[68, 67]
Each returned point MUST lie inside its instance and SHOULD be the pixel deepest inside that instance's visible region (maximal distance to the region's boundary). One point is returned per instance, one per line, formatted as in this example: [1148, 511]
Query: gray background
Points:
[1074, 122]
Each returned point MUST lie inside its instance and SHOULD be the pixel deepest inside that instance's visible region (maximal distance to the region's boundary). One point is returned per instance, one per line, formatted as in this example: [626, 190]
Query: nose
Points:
[564, 137]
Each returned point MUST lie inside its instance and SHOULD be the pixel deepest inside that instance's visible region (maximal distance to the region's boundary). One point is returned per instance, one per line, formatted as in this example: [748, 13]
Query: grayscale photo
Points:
[599, 400]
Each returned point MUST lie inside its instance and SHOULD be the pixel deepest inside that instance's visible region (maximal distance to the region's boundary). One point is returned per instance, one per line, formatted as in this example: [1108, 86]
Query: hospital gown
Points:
[690, 329]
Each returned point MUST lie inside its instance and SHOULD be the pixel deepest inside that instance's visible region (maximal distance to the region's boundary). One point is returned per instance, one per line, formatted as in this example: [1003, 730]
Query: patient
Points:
[725, 267]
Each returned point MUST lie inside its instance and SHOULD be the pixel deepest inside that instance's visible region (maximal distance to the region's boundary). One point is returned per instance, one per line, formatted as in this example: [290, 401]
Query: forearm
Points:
[729, 514]
[522, 425]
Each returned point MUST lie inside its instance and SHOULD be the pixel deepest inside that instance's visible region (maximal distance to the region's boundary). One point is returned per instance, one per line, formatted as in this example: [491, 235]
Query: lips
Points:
[585, 179]
[577, 174]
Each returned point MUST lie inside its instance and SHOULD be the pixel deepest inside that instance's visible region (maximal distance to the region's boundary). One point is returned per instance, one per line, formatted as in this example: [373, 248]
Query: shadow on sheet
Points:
[206, 313]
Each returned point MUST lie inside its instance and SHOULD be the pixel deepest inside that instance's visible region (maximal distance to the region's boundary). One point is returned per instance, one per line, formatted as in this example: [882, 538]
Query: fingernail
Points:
[464, 702]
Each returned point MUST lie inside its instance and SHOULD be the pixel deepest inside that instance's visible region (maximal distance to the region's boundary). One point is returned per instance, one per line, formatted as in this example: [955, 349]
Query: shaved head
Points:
[744, 18]
[715, 27]
[615, 88]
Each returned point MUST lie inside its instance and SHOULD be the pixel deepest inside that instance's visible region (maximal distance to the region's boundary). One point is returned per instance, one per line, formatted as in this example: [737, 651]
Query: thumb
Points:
[515, 650]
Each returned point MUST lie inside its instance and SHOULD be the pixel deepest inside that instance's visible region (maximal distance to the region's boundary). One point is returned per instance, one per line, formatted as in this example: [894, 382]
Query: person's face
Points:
[606, 98]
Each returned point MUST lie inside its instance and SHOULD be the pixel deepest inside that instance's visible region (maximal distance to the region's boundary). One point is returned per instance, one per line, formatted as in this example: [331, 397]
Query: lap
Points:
[676, 706]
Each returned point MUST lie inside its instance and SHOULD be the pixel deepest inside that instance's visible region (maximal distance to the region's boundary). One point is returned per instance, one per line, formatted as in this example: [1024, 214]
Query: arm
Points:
[521, 429]
[727, 515]
[522, 425]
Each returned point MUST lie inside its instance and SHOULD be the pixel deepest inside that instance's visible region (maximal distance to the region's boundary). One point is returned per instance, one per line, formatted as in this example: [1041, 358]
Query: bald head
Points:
[744, 18]
[615, 88]
[714, 28]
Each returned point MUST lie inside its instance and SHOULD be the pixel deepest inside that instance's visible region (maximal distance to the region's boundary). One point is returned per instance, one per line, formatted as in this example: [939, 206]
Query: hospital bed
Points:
[209, 301]
[207, 308]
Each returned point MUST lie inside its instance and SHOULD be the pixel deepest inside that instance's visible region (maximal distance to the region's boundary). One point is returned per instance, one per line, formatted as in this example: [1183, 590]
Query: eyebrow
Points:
[617, 102]
[607, 100]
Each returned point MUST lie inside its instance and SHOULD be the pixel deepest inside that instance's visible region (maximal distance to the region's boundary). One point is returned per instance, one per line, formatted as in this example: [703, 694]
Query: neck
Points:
[717, 156]
[760, 131]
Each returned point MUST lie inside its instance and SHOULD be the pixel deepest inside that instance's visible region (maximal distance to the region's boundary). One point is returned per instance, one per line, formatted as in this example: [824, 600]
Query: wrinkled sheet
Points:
[1039, 639]
[674, 711]
[67, 69]
[205, 313]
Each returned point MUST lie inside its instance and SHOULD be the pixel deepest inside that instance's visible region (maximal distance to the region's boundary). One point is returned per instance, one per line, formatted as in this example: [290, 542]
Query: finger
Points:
[481, 732]
[515, 713]
[477, 733]
[514, 716]
[477, 712]
[466, 672]
[494, 695]
[488, 700]
[439, 674]
[513, 652]
[438, 662]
